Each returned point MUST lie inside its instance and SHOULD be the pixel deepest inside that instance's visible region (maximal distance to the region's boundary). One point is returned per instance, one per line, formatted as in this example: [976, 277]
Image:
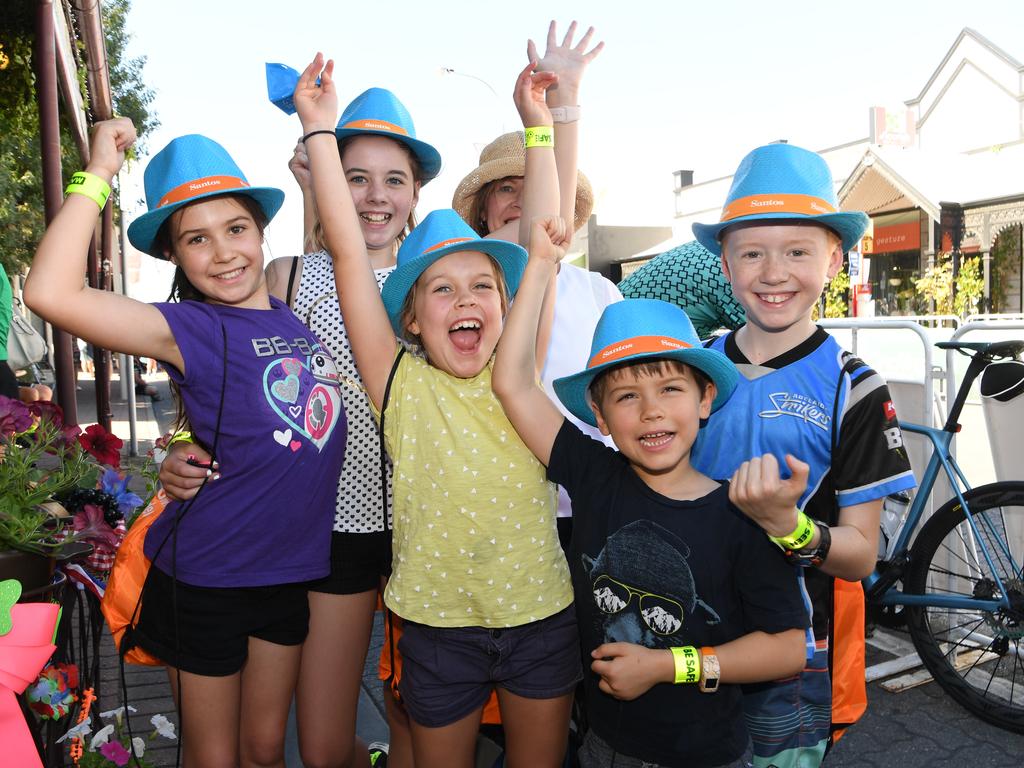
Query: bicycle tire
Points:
[990, 645]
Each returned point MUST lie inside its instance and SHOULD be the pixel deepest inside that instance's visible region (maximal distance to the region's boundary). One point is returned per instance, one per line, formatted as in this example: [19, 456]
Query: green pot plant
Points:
[60, 492]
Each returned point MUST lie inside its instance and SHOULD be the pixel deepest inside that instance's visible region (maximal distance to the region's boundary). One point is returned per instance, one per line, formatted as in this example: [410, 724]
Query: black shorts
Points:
[358, 562]
[214, 624]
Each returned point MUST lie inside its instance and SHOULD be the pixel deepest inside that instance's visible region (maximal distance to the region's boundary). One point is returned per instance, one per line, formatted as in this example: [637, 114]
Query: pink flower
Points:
[104, 446]
[91, 526]
[115, 752]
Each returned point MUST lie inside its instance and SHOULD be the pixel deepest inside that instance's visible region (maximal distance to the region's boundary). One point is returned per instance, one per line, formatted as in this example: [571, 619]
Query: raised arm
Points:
[366, 321]
[568, 62]
[55, 288]
[299, 166]
[540, 180]
[514, 380]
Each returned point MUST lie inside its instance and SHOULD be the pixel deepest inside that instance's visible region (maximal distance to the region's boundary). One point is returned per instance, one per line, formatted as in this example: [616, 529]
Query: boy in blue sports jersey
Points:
[780, 239]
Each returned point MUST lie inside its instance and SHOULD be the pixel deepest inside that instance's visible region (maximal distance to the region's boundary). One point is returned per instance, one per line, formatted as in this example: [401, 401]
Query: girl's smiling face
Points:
[458, 305]
[384, 189]
[219, 247]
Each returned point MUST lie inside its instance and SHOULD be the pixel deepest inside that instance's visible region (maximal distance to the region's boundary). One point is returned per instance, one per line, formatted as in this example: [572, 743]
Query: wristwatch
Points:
[710, 671]
[568, 114]
[812, 558]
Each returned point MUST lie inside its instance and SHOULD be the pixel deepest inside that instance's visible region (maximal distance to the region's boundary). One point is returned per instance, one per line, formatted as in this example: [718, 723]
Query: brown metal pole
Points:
[45, 64]
[103, 282]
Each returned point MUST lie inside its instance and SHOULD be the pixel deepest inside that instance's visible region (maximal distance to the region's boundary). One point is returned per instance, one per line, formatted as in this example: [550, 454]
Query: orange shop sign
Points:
[895, 237]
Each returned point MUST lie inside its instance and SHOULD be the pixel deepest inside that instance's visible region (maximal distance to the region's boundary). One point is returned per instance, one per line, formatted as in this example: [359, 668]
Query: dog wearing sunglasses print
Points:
[643, 588]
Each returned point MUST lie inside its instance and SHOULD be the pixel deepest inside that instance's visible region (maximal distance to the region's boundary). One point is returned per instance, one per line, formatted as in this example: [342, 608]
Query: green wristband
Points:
[687, 664]
[90, 185]
[801, 535]
[541, 136]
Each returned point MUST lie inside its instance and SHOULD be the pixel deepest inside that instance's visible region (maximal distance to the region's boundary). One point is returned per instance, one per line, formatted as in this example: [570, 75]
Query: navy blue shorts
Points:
[358, 562]
[214, 624]
[448, 672]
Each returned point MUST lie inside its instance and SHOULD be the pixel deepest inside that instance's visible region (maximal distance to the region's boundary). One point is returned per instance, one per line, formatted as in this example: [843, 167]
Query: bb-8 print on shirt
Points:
[305, 393]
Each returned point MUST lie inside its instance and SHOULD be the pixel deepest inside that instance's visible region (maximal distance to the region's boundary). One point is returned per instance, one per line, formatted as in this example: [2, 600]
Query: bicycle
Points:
[963, 575]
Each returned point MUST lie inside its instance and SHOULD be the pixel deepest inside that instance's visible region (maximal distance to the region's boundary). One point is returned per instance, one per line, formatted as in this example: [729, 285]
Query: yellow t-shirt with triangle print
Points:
[475, 542]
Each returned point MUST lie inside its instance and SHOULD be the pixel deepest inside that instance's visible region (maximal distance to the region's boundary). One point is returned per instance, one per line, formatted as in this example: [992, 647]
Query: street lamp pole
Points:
[449, 71]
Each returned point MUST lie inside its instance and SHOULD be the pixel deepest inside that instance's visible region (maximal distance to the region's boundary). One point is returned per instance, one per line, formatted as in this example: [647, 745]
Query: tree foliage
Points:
[21, 196]
[936, 284]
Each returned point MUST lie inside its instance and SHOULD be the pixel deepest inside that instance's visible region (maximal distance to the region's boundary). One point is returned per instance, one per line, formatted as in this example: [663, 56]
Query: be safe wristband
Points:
[801, 535]
[687, 664]
[541, 136]
[90, 185]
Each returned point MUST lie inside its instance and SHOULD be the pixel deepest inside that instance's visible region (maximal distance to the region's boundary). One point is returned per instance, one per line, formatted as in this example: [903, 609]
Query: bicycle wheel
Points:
[976, 656]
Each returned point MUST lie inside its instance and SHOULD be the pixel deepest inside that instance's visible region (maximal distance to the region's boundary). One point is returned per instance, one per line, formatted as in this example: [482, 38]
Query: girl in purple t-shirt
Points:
[225, 600]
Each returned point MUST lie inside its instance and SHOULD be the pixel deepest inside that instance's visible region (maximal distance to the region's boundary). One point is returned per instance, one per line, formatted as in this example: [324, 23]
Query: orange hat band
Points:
[446, 243]
[202, 186]
[638, 345]
[801, 205]
[376, 125]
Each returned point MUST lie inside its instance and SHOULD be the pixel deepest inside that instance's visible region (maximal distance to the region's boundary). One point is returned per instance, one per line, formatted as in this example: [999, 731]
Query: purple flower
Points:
[117, 486]
[115, 752]
[15, 416]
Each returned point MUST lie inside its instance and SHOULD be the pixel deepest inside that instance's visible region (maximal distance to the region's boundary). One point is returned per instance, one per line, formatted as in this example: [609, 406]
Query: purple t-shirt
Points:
[282, 442]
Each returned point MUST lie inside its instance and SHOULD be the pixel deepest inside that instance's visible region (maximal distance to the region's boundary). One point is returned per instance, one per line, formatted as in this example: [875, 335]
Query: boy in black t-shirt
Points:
[676, 589]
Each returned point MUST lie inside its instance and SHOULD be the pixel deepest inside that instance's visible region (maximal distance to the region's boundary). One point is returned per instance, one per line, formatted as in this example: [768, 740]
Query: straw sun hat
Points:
[504, 157]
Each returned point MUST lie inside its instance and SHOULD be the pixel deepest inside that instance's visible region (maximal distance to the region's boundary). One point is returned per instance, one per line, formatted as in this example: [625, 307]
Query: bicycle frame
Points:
[880, 586]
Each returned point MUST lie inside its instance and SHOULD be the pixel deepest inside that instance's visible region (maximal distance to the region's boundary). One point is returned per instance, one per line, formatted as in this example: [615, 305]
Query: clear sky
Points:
[680, 84]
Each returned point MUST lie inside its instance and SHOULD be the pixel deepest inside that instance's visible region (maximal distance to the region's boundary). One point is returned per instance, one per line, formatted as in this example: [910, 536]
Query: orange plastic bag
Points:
[131, 566]
[849, 690]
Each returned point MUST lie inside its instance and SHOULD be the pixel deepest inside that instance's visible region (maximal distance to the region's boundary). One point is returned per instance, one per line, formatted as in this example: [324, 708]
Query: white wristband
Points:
[565, 114]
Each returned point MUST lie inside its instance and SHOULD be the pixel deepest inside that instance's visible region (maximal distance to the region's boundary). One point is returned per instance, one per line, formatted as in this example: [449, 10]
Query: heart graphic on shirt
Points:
[286, 389]
[310, 388]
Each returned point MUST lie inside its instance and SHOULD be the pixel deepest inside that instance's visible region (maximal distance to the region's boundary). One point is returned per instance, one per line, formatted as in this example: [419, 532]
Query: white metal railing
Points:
[853, 324]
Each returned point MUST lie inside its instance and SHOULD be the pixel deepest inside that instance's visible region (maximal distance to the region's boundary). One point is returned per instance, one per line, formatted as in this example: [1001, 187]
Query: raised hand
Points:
[317, 105]
[758, 489]
[549, 238]
[529, 96]
[299, 166]
[566, 60]
[110, 140]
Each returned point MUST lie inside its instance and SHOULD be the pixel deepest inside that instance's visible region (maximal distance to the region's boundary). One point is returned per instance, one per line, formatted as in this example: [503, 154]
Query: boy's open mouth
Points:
[656, 439]
[465, 335]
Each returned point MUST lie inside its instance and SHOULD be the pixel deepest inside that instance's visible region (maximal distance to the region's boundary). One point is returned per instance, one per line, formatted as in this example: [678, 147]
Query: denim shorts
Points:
[448, 672]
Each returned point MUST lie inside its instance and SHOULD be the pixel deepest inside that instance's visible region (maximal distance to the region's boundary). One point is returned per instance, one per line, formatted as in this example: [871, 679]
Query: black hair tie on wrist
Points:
[314, 133]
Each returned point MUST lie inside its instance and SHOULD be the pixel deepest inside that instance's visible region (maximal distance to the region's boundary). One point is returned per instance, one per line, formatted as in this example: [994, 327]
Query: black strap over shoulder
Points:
[384, 503]
[288, 297]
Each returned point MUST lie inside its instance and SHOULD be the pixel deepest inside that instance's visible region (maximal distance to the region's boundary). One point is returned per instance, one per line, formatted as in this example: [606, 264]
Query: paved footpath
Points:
[918, 728]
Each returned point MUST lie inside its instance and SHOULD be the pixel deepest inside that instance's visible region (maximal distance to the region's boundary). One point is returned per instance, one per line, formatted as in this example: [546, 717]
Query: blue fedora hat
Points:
[440, 233]
[378, 111]
[780, 181]
[188, 169]
[637, 330]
